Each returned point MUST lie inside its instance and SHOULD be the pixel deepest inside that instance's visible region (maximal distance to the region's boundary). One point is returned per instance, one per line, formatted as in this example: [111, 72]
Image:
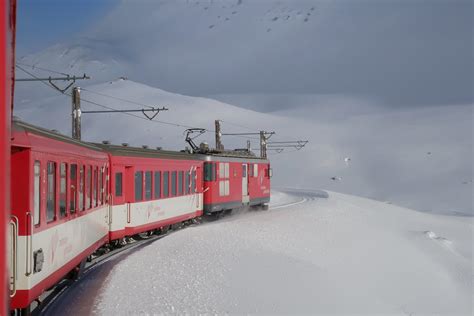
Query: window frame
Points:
[63, 196]
[51, 193]
[157, 185]
[138, 194]
[37, 193]
[73, 182]
[166, 184]
[118, 184]
[150, 190]
[174, 182]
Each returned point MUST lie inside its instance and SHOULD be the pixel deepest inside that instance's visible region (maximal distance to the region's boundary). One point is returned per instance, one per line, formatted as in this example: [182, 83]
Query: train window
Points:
[72, 188]
[51, 194]
[157, 184]
[187, 188]
[82, 171]
[244, 171]
[88, 188]
[95, 186]
[148, 185]
[166, 186]
[101, 185]
[250, 170]
[221, 170]
[118, 184]
[173, 183]
[193, 181]
[209, 171]
[37, 193]
[62, 189]
[255, 170]
[106, 185]
[138, 186]
[180, 182]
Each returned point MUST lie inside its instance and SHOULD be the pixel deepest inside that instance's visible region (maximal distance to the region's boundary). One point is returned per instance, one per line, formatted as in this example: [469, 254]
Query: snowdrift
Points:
[337, 254]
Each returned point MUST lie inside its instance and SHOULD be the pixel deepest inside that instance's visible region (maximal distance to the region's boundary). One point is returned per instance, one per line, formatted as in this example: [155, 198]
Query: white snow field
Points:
[312, 252]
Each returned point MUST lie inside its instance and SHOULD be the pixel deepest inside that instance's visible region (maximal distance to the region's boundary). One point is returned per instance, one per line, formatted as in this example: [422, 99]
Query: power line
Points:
[40, 68]
[238, 125]
[125, 113]
[116, 98]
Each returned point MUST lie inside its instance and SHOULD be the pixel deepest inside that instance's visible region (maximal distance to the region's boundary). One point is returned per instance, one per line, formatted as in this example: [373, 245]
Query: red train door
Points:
[129, 191]
[245, 184]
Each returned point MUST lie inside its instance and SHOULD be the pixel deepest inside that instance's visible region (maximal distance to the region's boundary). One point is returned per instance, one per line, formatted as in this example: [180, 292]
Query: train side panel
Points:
[60, 213]
[150, 193]
[230, 184]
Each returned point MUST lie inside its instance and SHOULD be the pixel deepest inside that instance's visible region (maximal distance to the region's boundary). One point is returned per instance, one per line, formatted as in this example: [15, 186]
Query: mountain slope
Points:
[417, 158]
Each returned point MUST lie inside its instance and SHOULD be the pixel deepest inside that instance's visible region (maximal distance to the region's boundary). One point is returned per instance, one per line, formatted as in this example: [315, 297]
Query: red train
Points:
[7, 60]
[70, 198]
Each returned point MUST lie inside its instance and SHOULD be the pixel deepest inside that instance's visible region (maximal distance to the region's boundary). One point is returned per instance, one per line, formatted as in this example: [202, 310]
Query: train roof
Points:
[19, 126]
[117, 150]
[128, 151]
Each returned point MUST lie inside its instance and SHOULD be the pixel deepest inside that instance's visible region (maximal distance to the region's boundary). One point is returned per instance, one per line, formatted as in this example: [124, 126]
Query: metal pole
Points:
[76, 113]
[249, 147]
[263, 145]
[219, 145]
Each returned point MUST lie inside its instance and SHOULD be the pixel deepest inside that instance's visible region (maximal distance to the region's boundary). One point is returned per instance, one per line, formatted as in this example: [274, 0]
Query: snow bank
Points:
[340, 254]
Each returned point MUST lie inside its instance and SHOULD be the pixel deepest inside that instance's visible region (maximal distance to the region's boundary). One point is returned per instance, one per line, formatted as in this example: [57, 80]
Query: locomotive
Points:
[70, 198]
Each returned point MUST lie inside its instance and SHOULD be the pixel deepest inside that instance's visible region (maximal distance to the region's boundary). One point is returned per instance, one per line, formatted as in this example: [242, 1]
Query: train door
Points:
[245, 184]
[129, 191]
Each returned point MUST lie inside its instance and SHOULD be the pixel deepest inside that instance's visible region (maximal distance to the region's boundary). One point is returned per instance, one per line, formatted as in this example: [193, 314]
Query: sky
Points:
[42, 23]
[397, 53]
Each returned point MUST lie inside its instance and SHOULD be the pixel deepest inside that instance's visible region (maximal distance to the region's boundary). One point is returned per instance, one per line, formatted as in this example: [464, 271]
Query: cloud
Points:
[402, 53]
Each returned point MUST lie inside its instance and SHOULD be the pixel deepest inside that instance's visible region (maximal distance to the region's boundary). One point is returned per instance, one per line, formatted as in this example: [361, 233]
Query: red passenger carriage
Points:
[152, 189]
[59, 208]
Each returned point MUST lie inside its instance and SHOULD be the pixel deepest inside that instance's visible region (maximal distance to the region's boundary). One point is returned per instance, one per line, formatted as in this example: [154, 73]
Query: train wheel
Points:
[21, 312]
[77, 272]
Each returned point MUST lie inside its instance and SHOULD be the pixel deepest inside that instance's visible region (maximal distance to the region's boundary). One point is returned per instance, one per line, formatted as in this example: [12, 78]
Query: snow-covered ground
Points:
[313, 252]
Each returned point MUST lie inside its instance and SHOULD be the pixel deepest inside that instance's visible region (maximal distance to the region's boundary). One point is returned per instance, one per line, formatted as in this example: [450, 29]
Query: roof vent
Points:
[106, 142]
[55, 131]
[125, 144]
[145, 146]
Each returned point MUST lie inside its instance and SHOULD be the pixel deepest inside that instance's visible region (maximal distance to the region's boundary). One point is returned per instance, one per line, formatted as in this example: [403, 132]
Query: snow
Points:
[323, 253]
[387, 148]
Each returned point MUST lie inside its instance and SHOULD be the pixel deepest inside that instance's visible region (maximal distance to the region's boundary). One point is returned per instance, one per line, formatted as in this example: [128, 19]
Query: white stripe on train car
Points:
[60, 244]
[148, 212]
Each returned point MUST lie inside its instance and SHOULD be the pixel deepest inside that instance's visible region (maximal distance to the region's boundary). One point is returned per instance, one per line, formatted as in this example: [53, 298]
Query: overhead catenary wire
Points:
[41, 68]
[130, 102]
[240, 135]
[115, 98]
[113, 109]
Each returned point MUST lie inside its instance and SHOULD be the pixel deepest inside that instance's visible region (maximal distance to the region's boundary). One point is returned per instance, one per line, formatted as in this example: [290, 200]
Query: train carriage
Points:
[235, 181]
[152, 189]
[59, 208]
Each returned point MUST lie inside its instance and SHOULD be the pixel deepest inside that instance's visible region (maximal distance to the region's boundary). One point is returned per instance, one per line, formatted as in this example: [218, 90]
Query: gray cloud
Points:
[402, 53]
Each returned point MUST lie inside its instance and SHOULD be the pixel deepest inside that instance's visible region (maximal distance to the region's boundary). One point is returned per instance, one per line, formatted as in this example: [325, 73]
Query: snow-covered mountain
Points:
[302, 62]
[417, 158]
[391, 52]
[182, 46]
[312, 253]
